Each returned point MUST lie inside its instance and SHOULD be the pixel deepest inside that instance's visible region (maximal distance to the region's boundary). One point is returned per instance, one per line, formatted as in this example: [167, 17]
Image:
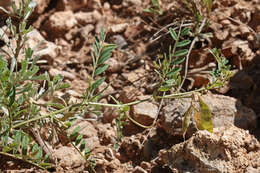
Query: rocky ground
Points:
[64, 32]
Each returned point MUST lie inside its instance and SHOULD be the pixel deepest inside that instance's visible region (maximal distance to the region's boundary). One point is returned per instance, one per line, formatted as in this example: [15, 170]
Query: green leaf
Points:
[179, 80]
[95, 50]
[173, 72]
[78, 139]
[186, 121]
[87, 153]
[148, 10]
[205, 116]
[12, 95]
[183, 43]
[62, 86]
[25, 144]
[102, 34]
[4, 139]
[93, 58]
[178, 61]
[208, 4]
[97, 43]
[28, 53]
[82, 145]
[13, 64]
[156, 65]
[101, 69]
[36, 152]
[106, 53]
[181, 52]
[75, 132]
[185, 31]
[170, 81]
[173, 34]
[6, 149]
[165, 88]
[40, 77]
[97, 83]
[156, 3]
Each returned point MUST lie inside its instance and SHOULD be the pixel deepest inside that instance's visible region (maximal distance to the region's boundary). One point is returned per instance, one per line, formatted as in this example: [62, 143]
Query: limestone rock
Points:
[87, 17]
[225, 111]
[226, 150]
[41, 6]
[46, 50]
[68, 157]
[71, 5]
[144, 112]
[59, 23]
[88, 131]
[65, 74]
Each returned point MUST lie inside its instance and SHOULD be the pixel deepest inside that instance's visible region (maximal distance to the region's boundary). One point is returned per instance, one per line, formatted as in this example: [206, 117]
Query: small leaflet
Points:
[205, 120]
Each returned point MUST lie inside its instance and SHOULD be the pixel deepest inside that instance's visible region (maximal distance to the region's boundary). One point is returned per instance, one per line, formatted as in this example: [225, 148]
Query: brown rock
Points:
[226, 150]
[225, 111]
[88, 131]
[144, 112]
[106, 133]
[41, 6]
[59, 23]
[85, 18]
[44, 49]
[117, 28]
[69, 157]
[65, 74]
[71, 5]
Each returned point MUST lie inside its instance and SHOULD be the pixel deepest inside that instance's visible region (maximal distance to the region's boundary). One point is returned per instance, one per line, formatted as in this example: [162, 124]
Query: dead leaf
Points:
[186, 121]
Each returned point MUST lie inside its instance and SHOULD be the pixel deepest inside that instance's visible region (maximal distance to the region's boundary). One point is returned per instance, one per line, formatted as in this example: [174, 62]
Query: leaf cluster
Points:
[155, 9]
[202, 117]
[169, 68]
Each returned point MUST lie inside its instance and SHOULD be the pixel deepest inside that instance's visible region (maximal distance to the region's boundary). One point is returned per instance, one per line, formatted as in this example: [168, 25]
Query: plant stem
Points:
[190, 49]
[20, 158]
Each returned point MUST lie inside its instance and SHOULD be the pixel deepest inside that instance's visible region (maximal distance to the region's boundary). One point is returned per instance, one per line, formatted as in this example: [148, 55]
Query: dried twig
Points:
[190, 49]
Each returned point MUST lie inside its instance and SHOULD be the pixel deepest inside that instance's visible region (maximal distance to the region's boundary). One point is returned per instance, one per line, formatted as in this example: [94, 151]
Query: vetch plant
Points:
[23, 116]
[22, 87]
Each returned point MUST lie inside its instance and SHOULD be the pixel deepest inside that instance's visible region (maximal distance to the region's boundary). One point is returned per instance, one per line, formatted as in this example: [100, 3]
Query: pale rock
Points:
[41, 6]
[225, 110]
[84, 31]
[144, 112]
[71, 5]
[135, 75]
[114, 65]
[46, 50]
[65, 74]
[85, 18]
[117, 28]
[228, 149]
[86, 128]
[129, 94]
[120, 41]
[106, 88]
[69, 157]
[138, 169]
[59, 23]
[88, 131]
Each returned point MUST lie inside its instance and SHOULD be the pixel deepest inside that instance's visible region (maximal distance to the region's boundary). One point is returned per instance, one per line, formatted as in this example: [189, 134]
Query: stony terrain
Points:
[63, 36]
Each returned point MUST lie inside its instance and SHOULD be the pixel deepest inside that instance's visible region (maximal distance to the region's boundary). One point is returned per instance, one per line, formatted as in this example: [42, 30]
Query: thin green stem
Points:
[178, 95]
[42, 117]
[20, 158]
